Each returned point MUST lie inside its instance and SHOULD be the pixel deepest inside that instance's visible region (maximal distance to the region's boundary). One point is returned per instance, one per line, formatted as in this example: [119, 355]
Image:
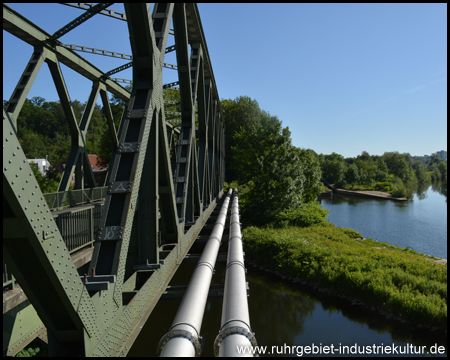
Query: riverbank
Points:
[394, 282]
[366, 193]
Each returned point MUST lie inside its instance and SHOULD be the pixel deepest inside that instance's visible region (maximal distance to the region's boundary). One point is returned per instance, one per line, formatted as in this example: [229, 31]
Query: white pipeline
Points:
[183, 336]
[235, 326]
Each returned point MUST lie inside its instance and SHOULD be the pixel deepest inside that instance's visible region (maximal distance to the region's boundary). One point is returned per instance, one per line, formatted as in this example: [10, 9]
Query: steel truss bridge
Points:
[164, 181]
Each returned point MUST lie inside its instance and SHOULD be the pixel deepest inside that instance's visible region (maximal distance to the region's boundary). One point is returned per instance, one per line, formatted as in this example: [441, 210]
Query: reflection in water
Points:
[420, 224]
[278, 311]
[283, 313]
[440, 187]
[422, 190]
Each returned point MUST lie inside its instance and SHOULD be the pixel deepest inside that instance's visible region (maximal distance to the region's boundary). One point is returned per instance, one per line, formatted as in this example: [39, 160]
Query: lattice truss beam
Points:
[163, 182]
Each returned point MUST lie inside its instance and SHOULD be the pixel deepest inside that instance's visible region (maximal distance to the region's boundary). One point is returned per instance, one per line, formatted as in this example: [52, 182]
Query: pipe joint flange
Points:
[235, 262]
[205, 263]
[232, 331]
[215, 238]
[183, 334]
[219, 223]
[235, 237]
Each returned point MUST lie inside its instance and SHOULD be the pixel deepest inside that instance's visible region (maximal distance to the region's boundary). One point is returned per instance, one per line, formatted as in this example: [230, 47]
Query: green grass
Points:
[325, 188]
[379, 186]
[396, 280]
[358, 187]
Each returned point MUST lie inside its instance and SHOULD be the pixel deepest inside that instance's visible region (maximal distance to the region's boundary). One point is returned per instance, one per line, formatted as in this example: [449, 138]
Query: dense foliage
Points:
[44, 131]
[394, 280]
[304, 216]
[398, 174]
[274, 174]
[264, 159]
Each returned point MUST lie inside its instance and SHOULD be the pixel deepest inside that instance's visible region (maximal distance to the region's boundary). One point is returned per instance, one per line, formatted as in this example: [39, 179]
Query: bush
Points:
[351, 233]
[383, 186]
[403, 283]
[398, 188]
[306, 215]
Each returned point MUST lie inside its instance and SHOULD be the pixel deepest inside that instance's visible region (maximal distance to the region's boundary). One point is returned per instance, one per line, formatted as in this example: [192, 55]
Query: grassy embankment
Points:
[392, 188]
[398, 282]
[325, 189]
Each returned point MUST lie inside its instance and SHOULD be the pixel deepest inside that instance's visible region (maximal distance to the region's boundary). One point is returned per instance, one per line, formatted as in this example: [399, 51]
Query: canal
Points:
[284, 315]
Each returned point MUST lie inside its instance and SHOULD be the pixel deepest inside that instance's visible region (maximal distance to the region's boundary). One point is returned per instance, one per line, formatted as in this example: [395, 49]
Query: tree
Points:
[335, 171]
[352, 174]
[398, 166]
[242, 112]
[312, 172]
[333, 167]
[269, 164]
[46, 184]
[381, 174]
[421, 172]
[442, 167]
[365, 156]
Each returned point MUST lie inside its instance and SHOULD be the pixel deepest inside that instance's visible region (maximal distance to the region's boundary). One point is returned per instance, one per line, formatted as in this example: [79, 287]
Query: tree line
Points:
[398, 174]
[272, 174]
[43, 130]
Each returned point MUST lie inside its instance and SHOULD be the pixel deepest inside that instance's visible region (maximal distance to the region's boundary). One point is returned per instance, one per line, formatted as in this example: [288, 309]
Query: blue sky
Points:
[344, 77]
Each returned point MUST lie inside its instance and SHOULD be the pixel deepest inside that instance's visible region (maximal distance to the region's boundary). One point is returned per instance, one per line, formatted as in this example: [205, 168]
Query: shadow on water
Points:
[164, 313]
[284, 314]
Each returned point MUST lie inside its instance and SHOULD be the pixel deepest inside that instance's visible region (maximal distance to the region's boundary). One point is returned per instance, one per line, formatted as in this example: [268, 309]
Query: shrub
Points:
[383, 186]
[306, 215]
[351, 233]
[398, 188]
[403, 283]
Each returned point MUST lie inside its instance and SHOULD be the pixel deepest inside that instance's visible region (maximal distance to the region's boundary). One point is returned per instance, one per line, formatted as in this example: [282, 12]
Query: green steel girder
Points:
[78, 160]
[151, 216]
[80, 19]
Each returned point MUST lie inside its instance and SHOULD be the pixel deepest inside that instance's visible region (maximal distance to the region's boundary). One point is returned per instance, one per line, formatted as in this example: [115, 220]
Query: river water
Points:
[420, 224]
[286, 316]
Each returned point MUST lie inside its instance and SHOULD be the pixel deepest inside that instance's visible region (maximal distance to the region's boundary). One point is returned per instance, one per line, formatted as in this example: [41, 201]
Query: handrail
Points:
[78, 227]
[183, 336]
[63, 199]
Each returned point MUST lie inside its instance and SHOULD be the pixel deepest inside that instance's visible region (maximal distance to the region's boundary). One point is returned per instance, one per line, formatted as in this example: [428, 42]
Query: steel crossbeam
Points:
[163, 183]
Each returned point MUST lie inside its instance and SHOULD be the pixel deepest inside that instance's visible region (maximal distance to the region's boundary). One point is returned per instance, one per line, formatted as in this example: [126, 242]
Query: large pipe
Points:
[235, 330]
[183, 336]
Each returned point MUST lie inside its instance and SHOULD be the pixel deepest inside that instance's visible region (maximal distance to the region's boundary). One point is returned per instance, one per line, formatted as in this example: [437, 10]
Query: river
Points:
[284, 315]
[420, 224]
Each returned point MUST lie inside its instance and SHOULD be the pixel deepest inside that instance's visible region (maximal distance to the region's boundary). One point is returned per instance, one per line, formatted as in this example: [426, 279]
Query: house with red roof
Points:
[99, 172]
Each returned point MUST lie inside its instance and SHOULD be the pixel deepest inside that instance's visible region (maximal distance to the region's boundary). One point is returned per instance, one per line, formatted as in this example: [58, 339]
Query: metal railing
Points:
[8, 278]
[64, 199]
[78, 229]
